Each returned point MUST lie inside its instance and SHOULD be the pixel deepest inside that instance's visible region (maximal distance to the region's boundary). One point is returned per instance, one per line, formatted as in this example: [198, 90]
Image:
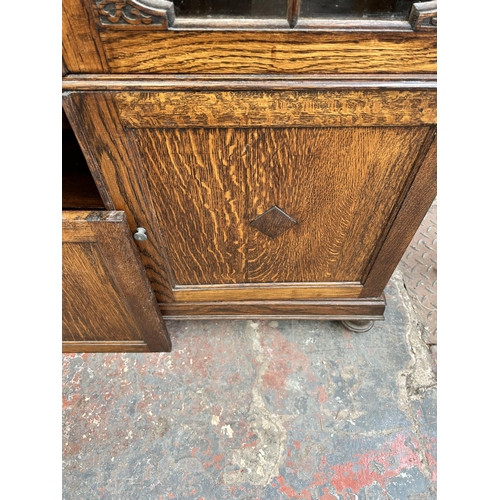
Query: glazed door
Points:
[256, 194]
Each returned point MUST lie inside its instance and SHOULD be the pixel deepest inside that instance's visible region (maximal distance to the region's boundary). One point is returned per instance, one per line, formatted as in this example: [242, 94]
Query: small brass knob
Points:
[140, 234]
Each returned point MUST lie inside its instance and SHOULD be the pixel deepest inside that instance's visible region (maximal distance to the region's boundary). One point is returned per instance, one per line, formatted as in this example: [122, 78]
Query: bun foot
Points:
[358, 326]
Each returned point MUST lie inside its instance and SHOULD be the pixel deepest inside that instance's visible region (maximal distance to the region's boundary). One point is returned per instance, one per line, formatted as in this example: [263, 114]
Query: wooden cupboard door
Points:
[340, 184]
[336, 189]
[108, 305]
[257, 195]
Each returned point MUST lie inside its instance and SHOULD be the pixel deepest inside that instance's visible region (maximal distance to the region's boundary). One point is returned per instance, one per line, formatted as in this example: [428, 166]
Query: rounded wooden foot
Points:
[358, 325]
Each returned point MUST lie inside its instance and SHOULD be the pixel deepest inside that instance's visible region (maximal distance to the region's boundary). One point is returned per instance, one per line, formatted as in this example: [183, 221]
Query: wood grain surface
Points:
[202, 52]
[372, 308]
[280, 108]
[121, 346]
[92, 307]
[82, 49]
[195, 133]
[196, 189]
[112, 161]
[340, 184]
[266, 291]
[106, 294]
[415, 205]
[244, 47]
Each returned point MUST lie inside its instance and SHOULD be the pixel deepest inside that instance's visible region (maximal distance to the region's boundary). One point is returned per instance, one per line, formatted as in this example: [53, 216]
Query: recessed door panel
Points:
[325, 193]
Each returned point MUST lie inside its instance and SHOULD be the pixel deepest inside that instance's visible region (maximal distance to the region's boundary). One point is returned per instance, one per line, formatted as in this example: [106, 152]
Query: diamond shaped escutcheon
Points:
[274, 222]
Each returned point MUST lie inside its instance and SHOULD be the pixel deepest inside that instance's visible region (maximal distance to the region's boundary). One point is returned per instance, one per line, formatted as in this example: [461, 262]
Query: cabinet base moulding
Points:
[339, 309]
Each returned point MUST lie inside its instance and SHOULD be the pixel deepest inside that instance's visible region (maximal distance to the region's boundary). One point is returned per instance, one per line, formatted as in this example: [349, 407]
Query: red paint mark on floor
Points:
[320, 477]
[285, 358]
[66, 403]
[327, 496]
[376, 466]
[216, 460]
[290, 492]
[431, 459]
[321, 394]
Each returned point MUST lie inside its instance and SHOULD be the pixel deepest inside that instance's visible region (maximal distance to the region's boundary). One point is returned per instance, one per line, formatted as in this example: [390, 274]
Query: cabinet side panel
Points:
[81, 46]
[417, 201]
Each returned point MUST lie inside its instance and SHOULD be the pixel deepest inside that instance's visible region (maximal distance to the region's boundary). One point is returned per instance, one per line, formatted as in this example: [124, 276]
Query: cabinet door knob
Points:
[140, 234]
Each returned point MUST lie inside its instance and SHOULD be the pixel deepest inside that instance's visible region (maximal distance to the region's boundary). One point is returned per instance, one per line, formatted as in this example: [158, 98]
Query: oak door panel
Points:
[196, 180]
[108, 303]
[341, 185]
[92, 306]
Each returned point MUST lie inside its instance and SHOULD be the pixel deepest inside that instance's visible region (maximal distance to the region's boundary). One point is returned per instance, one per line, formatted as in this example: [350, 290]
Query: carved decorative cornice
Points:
[160, 14]
[423, 16]
[135, 13]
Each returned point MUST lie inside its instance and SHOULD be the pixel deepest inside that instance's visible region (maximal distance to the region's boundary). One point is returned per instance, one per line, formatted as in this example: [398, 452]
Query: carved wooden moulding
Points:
[134, 13]
[160, 14]
[423, 16]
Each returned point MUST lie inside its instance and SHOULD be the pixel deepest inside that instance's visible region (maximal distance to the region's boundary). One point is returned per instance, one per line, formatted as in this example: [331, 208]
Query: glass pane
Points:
[356, 8]
[231, 8]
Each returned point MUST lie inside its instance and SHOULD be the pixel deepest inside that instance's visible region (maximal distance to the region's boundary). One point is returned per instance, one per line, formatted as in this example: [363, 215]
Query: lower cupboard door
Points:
[108, 303]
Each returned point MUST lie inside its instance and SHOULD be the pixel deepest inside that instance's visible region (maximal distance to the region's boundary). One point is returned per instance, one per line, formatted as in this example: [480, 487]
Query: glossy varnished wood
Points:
[339, 184]
[197, 184]
[81, 45]
[197, 128]
[196, 167]
[266, 291]
[104, 346]
[198, 190]
[186, 82]
[107, 299]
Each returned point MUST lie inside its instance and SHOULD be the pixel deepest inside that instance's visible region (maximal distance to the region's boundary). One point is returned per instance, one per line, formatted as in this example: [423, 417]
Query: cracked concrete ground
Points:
[257, 410]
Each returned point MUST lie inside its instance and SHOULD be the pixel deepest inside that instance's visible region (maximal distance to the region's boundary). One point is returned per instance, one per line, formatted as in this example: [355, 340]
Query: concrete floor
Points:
[264, 409]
